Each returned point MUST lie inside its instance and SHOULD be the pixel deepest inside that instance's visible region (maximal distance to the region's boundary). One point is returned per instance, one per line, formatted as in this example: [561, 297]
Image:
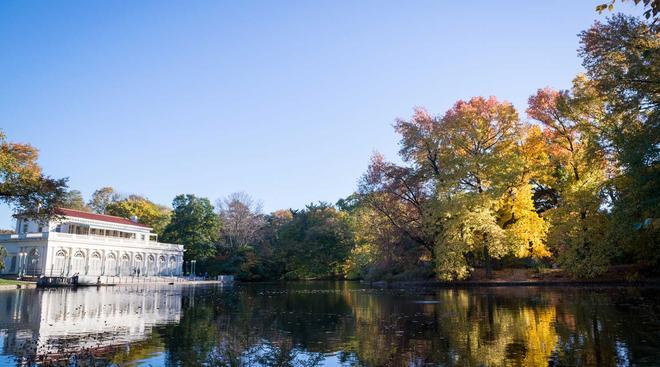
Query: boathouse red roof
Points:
[94, 216]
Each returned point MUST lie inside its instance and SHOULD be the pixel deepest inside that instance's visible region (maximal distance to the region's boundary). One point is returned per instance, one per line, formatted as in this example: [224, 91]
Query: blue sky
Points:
[283, 100]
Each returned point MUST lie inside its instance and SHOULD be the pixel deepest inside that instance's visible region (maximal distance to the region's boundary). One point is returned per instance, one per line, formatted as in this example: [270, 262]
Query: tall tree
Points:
[578, 222]
[194, 225]
[400, 195]
[241, 219]
[622, 61]
[101, 198]
[482, 139]
[467, 189]
[22, 184]
[517, 211]
[73, 199]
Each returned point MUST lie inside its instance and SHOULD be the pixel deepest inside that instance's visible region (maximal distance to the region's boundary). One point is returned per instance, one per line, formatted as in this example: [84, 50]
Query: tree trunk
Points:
[487, 262]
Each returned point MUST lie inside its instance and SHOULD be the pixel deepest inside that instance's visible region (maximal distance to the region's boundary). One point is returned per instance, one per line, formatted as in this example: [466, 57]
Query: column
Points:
[103, 262]
[68, 261]
[87, 254]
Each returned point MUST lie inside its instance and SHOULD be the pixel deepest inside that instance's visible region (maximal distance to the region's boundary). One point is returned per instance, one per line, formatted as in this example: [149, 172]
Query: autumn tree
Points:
[485, 199]
[466, 191]
[517, 211]
[400, 195]
[380, 250]
[241, 219]
[23, 186]
[578, 222]
[147, 212]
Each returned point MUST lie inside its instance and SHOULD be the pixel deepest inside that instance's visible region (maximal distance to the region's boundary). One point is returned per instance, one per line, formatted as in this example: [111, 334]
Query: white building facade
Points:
[90, 245]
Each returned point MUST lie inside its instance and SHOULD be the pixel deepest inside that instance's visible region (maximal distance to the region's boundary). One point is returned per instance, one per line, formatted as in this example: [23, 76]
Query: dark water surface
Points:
[330, 324]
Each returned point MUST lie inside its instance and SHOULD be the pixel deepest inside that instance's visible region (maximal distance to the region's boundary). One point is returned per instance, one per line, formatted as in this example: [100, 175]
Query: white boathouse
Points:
[90, 245]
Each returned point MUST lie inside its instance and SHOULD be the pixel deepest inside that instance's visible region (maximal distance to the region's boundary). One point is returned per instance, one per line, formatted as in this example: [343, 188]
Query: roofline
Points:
[101, 220]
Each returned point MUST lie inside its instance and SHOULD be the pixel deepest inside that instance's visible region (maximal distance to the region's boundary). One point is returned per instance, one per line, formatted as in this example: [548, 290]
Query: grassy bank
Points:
[616, 275]
[12, 282]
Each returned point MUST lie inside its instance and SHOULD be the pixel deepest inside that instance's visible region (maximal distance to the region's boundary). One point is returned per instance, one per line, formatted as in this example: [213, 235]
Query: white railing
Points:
[88, 239]
[117, 279]
[23, 236]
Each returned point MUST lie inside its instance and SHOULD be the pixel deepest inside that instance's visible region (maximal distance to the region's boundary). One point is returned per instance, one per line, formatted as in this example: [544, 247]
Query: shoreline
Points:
[514, 284]
[33, 285]
[476, 283]
[420, 283]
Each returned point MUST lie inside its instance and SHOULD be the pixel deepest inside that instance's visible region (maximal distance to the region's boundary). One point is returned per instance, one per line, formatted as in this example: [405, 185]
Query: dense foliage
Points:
[193, 224]
[148, 213]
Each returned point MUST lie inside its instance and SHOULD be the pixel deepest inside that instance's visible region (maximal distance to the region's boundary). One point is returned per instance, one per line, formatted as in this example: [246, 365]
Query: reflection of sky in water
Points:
[335, 324]
[5, 360]
[622, 354]
[157, 360]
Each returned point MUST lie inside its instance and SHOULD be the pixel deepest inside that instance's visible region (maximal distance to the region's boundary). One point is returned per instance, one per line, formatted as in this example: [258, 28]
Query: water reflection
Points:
[307, 324]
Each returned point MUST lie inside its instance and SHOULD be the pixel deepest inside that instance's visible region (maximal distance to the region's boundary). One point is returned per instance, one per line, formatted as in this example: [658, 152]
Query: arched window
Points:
[78, 263]
[94, 264]
[139, 265]
[33, 264]
[125, 265]
[172, 265]
[151, 265]
[110, 264]
[59, 266]
[162, 270]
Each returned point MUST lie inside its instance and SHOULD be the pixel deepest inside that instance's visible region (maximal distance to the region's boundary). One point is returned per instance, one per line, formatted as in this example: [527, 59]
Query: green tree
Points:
[622, 60]
[148, 213]
[101, 198]
[74, 200]
[194, 225]
[315, 243]
[3, 255]
[22, 184]
[651, 7]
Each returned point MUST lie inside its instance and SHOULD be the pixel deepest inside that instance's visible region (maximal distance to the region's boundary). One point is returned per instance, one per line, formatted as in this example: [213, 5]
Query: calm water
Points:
[330, 324]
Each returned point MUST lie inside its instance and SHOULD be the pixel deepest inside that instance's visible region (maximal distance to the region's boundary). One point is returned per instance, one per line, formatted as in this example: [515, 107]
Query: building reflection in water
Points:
[44, 324]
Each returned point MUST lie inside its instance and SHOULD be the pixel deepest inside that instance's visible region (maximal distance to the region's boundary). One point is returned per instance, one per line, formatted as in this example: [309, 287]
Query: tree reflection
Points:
[307, 324]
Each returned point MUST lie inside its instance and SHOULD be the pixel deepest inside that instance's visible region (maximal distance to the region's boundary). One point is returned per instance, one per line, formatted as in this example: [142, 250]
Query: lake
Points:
[330, 324]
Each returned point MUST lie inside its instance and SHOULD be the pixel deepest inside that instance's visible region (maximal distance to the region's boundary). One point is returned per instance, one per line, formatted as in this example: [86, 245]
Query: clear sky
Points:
[283, 100]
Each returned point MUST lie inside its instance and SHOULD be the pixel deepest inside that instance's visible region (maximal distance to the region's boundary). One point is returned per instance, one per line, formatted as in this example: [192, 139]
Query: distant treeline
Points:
[576, 185]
